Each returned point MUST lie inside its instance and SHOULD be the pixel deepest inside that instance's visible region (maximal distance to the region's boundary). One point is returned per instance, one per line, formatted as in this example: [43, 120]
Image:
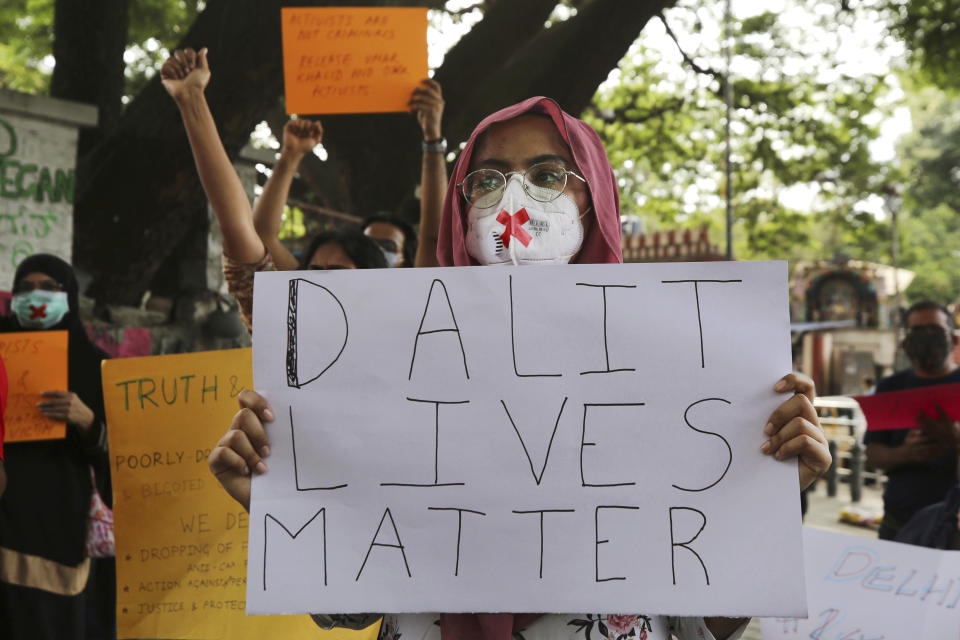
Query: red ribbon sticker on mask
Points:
[38, 312]
[514, 227]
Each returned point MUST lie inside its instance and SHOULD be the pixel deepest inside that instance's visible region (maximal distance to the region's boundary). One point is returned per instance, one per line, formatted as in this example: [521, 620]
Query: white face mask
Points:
[522, 230]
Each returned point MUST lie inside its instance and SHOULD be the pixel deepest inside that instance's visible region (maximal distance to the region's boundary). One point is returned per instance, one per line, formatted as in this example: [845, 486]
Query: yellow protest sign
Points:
[352, 60]
[181, 540]
[36, 361]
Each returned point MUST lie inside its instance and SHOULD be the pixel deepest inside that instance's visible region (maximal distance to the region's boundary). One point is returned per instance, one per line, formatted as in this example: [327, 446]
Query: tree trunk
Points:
[138, 193]
[483, 53]
[88, 45]
[566, 62]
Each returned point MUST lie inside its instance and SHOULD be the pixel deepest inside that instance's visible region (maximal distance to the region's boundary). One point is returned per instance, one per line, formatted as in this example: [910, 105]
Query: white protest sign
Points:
[37, 176]
[553, 439]
[864, 589]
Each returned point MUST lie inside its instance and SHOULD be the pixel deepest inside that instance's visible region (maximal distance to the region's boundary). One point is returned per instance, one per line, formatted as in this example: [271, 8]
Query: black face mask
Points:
[927, 347]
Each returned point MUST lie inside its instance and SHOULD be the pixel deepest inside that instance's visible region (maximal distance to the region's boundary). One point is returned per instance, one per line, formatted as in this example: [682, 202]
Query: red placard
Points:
[899, 409]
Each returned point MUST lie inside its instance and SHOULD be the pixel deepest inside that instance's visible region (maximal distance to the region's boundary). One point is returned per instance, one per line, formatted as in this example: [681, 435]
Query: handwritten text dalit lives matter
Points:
[555, 439]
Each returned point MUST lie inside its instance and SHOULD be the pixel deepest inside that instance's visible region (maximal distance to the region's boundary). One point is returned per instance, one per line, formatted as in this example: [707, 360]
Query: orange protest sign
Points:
[352, 60]
[181, 540]
[36, 361]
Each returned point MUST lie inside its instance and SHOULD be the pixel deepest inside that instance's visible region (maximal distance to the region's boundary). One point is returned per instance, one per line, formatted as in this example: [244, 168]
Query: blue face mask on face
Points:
[40, 309]
[392, 257]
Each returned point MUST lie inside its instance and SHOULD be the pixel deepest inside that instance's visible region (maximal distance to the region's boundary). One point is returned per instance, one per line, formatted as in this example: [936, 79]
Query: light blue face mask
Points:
[40, 309]
[392, 257]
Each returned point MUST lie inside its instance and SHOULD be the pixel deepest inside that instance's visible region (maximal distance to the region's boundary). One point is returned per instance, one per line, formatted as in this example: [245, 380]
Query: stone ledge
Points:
[68, 112]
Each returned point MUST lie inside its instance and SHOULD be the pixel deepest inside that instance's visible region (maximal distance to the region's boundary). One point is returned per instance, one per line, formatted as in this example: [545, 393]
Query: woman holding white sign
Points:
[533, 186]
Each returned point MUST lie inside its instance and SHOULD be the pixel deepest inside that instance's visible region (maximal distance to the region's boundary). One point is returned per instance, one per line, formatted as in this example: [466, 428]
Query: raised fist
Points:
[185, 71]
[301, 135]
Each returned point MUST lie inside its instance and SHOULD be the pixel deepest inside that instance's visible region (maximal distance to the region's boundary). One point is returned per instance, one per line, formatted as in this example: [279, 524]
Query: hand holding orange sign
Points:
[36, 363]
[352, 60]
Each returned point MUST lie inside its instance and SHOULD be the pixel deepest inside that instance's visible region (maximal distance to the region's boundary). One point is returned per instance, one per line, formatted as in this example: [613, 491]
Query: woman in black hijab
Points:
[47, 585]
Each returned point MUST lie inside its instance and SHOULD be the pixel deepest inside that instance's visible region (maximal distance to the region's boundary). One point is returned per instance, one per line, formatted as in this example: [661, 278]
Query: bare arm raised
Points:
[426, 102]
[299, 138]
[185, 75]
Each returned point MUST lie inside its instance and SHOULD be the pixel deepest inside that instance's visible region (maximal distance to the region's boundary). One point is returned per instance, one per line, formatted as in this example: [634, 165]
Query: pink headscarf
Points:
[602, 243]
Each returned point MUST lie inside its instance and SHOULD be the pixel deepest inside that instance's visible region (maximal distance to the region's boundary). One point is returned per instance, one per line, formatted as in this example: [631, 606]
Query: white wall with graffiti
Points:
[38, 150]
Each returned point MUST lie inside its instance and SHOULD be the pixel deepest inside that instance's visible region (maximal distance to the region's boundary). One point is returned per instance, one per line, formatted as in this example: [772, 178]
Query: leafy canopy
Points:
[802, 125]
[931, 31]
[26, 41]
[930, 226]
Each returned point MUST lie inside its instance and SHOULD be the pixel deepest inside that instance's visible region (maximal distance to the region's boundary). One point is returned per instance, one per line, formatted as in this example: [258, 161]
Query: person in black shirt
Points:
[920, 459]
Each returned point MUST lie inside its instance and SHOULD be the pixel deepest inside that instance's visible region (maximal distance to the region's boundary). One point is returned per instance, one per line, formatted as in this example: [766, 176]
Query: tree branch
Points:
[483, 51]
[479, 4]
[621, 115]
[686, 58]
[552, 62]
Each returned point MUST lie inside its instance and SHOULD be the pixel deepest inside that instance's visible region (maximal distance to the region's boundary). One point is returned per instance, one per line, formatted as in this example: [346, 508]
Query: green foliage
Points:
[931, 241]
[292, 226]
[931, 31]
[26, 38]
[166, 20]
[800, 136]
[930, 224]
[156, 26]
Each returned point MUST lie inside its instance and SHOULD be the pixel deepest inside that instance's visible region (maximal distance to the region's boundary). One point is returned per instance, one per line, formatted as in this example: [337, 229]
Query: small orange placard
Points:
[36, 361]
[352, 60]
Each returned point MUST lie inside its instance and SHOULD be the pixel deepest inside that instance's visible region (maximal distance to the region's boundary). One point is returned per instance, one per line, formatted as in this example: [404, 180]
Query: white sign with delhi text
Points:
[867, 589]
[584, 438]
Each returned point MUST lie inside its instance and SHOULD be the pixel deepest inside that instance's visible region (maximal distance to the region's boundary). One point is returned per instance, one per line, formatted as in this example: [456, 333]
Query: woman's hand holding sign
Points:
[241, 450]
[66, 406]
[794, 429]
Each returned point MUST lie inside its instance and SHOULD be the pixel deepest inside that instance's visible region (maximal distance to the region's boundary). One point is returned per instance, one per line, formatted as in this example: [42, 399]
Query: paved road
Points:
[822, 512]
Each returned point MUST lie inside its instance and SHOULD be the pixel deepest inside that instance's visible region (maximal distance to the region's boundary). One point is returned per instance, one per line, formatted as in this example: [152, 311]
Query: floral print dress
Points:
[589, 626]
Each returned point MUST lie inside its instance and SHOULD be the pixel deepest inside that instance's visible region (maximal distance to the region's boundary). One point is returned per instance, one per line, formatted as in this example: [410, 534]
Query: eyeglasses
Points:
[544, 182]
[44, 285]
